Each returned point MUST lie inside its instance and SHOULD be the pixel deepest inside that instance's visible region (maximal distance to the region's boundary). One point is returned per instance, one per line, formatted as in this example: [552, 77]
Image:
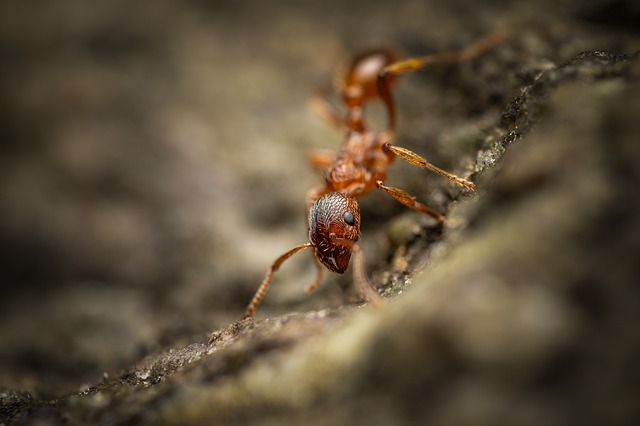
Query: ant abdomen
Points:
[334, 226]
[361, 80]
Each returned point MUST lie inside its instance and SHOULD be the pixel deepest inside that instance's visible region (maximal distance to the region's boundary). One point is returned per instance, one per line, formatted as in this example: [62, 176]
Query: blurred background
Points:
[153, 159]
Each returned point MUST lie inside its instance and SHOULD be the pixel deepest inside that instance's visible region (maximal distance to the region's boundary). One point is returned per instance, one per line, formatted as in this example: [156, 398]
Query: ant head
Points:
[334, 227]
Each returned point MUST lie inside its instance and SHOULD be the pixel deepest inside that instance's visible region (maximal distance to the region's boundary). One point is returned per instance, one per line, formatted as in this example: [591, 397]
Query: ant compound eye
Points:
[349, 219]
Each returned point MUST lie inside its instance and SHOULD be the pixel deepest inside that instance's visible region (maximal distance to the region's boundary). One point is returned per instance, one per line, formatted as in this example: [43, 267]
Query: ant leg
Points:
[327, 112]
[413, 158]
[409, 201]
[321, 159]
[412, 64]
[316, 282]
[360, 280]
[362, 284]
[262, 290]
[470, 52]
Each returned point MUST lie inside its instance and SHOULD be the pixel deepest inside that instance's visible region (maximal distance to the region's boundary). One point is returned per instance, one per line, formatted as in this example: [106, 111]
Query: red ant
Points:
[332, 210]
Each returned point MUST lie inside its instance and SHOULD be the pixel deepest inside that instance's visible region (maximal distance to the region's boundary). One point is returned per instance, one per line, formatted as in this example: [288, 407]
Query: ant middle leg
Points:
[416, 160]
[409, 201]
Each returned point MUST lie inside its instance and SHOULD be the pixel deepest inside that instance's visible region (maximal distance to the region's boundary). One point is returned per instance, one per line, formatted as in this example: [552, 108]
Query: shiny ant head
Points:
[334, 227]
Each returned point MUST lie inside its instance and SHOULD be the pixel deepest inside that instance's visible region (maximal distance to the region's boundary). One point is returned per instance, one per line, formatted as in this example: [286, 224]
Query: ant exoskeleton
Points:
[360, 165]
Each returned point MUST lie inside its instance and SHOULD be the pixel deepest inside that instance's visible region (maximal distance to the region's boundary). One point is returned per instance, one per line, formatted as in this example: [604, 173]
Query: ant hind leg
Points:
[465, 54]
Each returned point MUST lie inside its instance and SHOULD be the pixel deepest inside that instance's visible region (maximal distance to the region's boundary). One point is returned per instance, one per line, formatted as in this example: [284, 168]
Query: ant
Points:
[332, 210]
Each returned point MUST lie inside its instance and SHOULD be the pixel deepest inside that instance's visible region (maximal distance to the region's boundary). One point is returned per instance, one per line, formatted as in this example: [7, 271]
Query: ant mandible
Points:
[332, 210]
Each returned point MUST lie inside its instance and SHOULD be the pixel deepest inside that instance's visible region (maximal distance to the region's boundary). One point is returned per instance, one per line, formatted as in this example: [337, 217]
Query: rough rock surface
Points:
[124, 244]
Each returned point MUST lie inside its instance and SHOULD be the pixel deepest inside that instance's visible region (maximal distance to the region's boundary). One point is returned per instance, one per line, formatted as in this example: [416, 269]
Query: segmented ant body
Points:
[360, 165]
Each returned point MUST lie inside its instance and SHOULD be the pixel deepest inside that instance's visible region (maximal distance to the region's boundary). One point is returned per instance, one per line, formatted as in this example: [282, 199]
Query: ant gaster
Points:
[360, 165]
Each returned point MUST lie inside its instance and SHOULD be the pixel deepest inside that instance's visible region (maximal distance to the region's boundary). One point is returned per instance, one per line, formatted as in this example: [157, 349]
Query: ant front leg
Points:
[316, 282]
[361, 282]
[321, 159]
